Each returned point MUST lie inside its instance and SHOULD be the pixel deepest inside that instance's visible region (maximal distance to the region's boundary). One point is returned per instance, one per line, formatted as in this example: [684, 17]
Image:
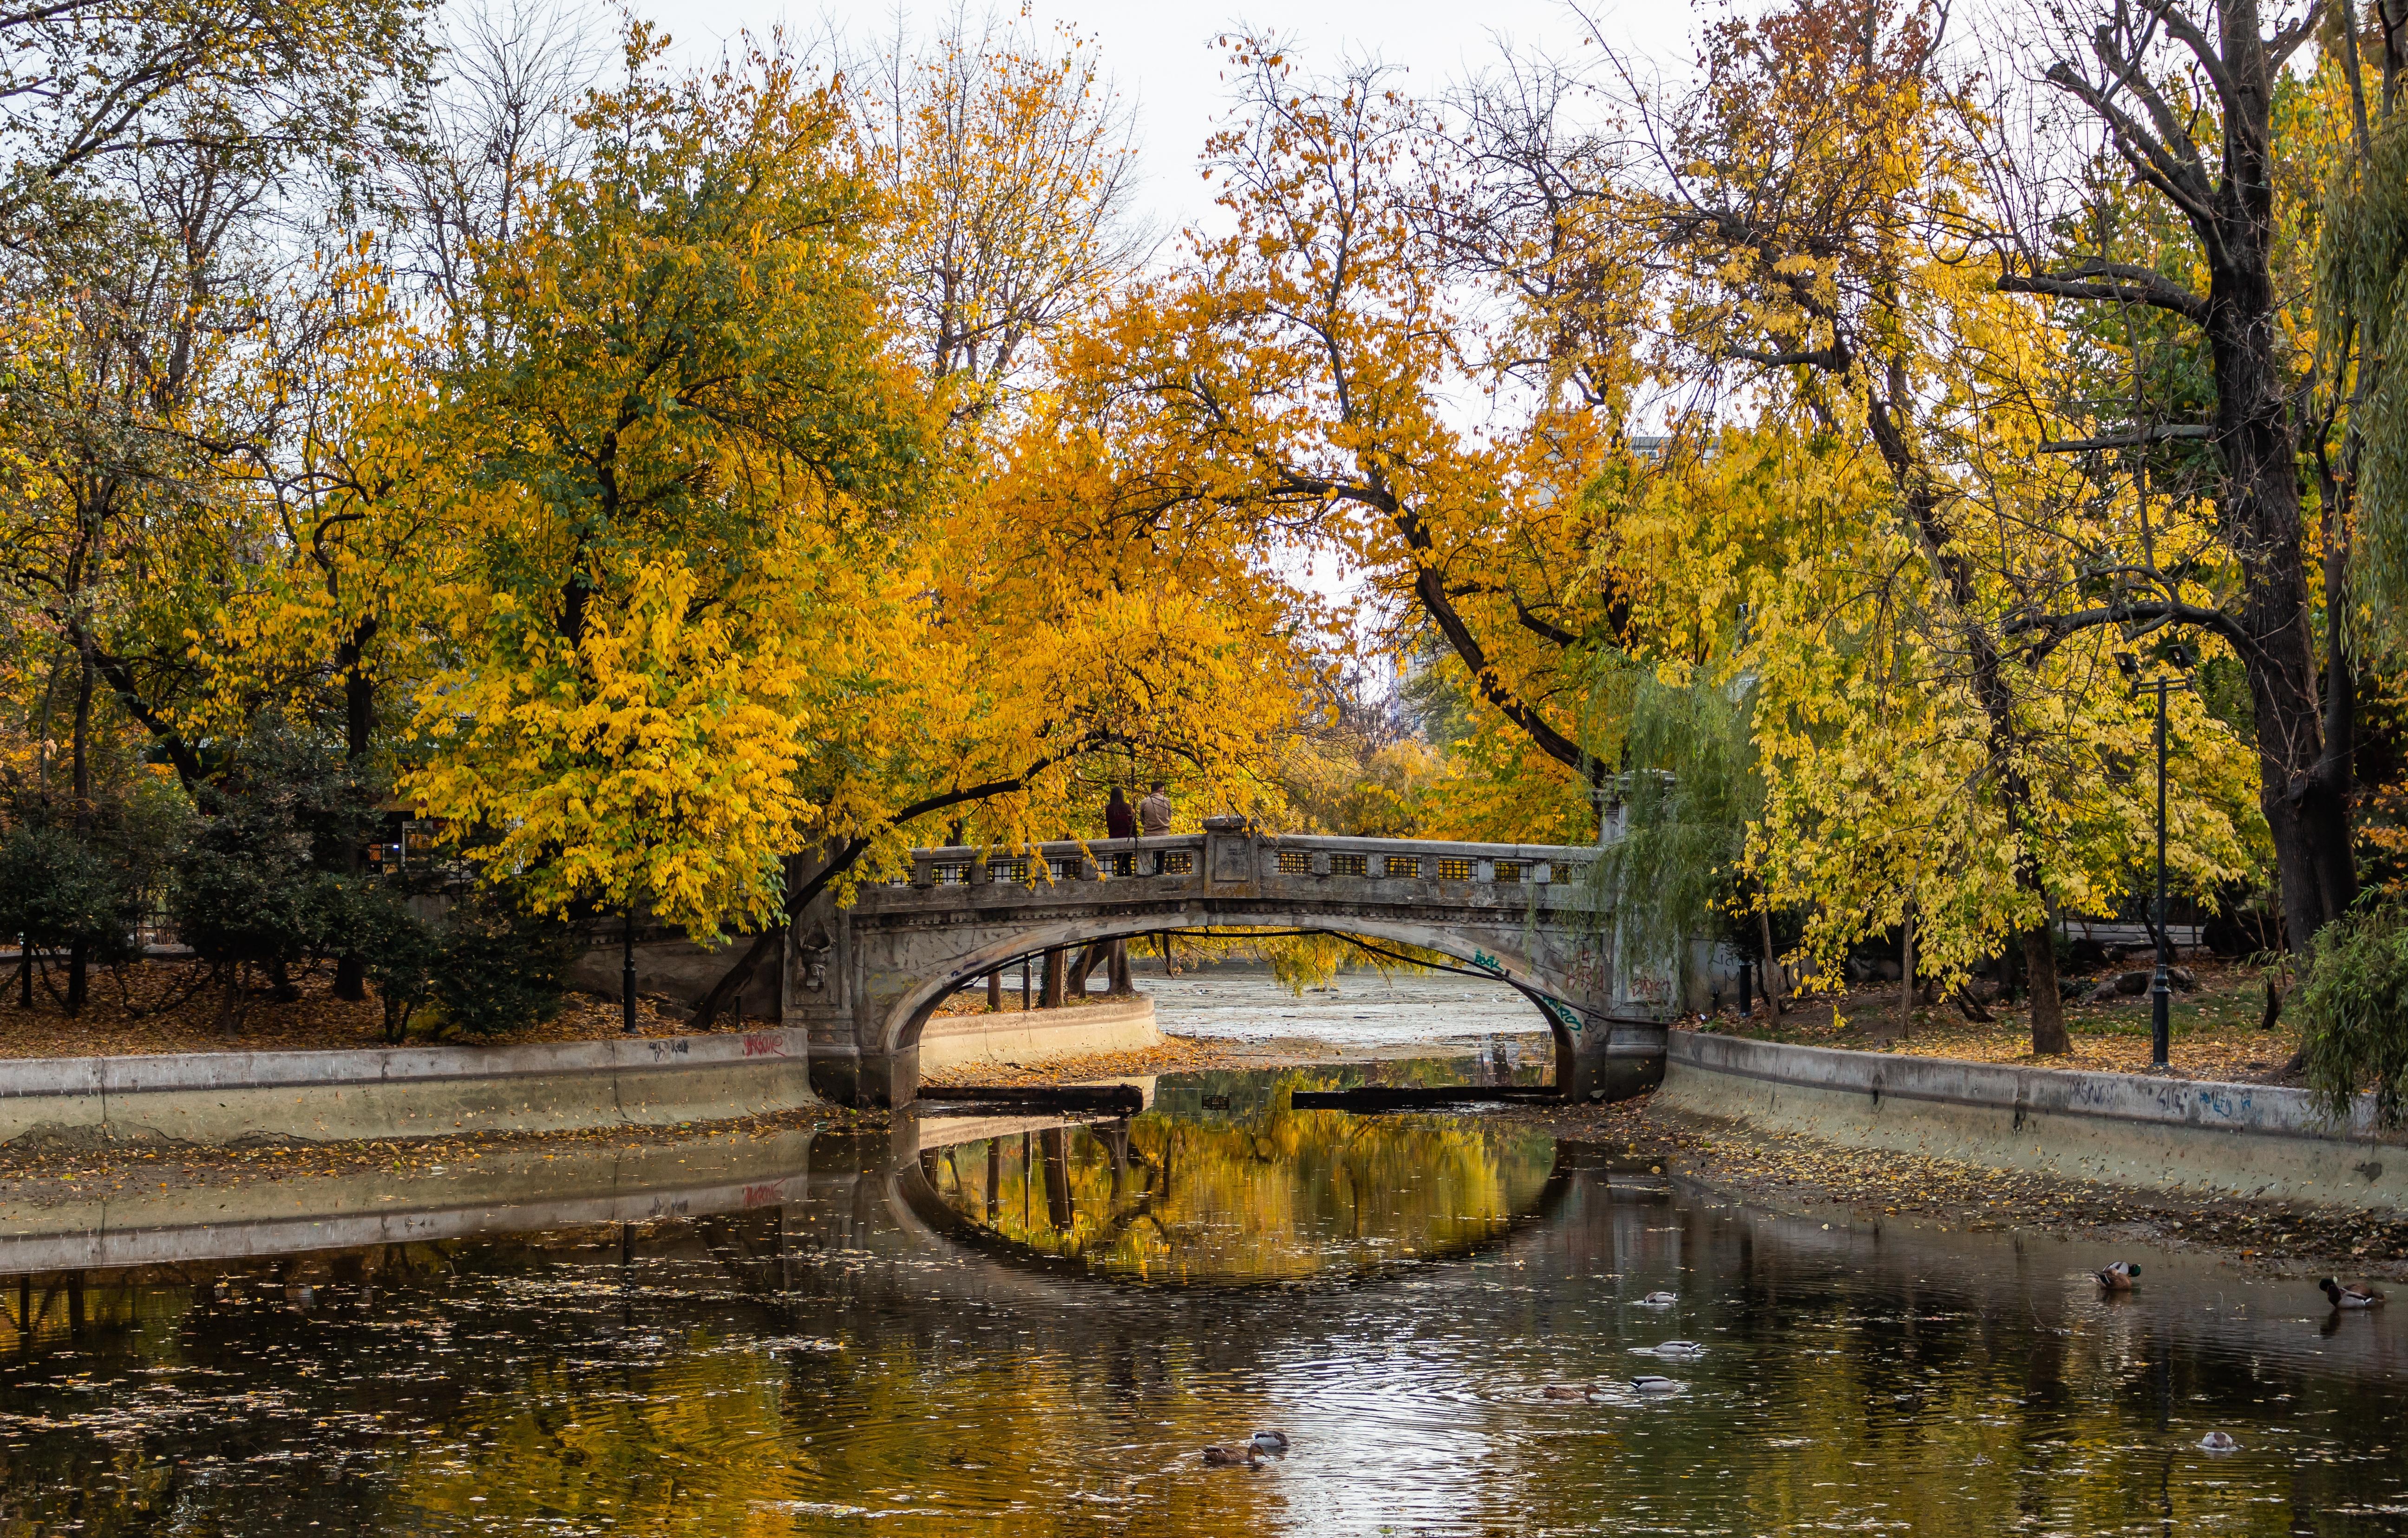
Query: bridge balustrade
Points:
[1178, 855]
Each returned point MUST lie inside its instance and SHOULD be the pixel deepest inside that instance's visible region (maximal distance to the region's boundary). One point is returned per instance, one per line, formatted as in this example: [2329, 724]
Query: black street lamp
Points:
[2160, 993]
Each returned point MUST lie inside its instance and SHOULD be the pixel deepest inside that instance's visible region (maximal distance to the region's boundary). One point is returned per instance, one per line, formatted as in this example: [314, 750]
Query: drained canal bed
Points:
[989, 1324]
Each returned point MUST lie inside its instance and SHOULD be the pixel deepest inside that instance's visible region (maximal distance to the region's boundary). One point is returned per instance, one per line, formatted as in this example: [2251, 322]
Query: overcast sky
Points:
[1160, 53]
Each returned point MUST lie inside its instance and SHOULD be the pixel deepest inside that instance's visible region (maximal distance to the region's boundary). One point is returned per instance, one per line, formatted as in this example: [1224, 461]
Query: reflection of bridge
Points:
[865, 980]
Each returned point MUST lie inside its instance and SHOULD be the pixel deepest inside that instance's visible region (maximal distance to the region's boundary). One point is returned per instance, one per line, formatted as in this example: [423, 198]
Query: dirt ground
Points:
[152, 1006]
[2217, 1031]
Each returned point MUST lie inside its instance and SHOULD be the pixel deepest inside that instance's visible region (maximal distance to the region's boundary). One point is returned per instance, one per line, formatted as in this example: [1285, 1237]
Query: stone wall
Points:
[2194, 1137]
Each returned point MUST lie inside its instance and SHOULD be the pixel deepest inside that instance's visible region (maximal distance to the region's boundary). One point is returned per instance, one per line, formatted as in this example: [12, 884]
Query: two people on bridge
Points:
[1152, 816]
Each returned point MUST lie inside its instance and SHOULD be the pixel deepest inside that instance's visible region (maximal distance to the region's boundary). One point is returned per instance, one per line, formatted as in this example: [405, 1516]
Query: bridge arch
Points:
[910, 1013]
[871, 975]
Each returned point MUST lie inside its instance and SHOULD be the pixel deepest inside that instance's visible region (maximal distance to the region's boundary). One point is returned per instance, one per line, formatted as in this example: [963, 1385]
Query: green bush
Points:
[57, 891]
[261, 880]
[502, 968]
[2354, 1006]
[400, 953]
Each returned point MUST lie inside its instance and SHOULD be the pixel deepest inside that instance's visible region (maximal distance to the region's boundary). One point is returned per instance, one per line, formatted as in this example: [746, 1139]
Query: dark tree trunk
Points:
[1906, 975]
[1055, 1149]
[2302, 732]
[79, 950]
[2047, 1005]
[1056, 972]
[1123, 985]
[1776, 988]
[359, 736]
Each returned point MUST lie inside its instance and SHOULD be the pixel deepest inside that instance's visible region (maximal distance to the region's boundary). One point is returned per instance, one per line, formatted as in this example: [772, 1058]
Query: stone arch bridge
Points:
[866, 979]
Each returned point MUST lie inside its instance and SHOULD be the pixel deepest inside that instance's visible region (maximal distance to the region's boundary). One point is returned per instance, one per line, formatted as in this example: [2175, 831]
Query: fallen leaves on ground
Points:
[46, 1176]
[151, 1007]
[2215, 1031]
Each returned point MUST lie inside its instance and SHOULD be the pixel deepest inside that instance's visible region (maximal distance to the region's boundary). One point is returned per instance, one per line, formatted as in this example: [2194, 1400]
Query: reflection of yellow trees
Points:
[1285, 1195]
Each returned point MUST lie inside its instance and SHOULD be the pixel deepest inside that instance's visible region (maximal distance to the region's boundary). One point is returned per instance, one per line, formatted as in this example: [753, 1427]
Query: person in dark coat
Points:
[1120, 818]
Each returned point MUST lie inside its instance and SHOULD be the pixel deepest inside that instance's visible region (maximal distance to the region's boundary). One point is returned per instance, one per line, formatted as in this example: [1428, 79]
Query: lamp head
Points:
[2130, 664]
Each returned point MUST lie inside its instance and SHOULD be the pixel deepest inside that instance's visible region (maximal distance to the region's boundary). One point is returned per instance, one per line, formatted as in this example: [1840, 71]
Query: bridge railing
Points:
[1305, 855]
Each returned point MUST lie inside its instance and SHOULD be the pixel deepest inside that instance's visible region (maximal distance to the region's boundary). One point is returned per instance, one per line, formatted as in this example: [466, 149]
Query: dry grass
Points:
[139, 1011]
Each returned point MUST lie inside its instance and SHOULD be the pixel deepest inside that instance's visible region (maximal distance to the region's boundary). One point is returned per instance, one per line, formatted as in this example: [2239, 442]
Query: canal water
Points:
[993, 1324]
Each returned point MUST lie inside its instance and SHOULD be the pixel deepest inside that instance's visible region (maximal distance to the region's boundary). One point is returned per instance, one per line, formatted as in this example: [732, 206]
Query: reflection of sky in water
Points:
[1355, 1010]
[842, 1362]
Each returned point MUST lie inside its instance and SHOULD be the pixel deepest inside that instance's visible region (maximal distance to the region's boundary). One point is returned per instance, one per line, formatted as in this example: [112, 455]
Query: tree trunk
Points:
[79, 950]
[1055, 1149]
[1776, 988]
[2047, 1006]
[1906, 975]
[995, 992]
[2304, 788]
[359, 735]
[2302, 735]
[1058, 969]
[1123, 985]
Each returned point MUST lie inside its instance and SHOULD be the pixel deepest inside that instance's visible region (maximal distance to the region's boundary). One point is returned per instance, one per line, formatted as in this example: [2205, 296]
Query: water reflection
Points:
[865, 1349]
[1276, 1196]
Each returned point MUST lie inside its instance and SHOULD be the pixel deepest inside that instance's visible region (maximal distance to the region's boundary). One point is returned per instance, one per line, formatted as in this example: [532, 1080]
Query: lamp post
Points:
[2160, 993]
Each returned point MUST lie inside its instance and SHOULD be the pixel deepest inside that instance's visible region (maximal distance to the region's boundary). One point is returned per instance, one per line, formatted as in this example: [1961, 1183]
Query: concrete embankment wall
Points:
[2189, 1136]
[505, 1190]
[1112, 1025]
[219, 1098]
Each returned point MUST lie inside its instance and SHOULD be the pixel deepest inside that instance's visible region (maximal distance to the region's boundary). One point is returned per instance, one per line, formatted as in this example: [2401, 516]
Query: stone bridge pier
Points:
[865, 980]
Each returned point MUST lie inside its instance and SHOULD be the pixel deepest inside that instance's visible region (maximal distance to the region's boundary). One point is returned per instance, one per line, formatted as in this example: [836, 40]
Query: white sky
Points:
[1161, 58]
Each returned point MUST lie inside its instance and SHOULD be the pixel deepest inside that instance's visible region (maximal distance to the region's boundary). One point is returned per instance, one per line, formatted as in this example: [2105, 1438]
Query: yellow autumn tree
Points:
[1934, 754]
[686, 458]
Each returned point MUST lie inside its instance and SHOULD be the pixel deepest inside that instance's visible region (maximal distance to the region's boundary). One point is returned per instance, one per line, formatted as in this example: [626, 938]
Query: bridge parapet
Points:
[1238, 858]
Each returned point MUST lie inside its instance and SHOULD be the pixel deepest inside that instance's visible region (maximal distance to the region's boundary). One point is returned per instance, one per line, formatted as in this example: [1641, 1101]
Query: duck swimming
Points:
[1648, 1383]
[2218, 1442]
[2351, 1294]
[2117, 1277]
[1661, 1300]
[1676, 1348]
[1267, 1442]
[1567, 1390]
[1228, 1457]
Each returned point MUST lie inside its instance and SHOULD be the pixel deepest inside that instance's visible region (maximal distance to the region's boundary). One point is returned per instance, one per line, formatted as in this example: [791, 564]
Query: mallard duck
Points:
[1660, 1299]
[1676, 1348]
[1227, 1458]
[1567, 1390]
[1268, 1442]
[1648, 1383]
[2218, 1442]
[2117, 1277]
[2353, 1295]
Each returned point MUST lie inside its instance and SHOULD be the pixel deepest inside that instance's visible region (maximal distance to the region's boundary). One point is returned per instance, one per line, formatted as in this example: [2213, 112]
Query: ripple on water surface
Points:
[1037, 1329]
